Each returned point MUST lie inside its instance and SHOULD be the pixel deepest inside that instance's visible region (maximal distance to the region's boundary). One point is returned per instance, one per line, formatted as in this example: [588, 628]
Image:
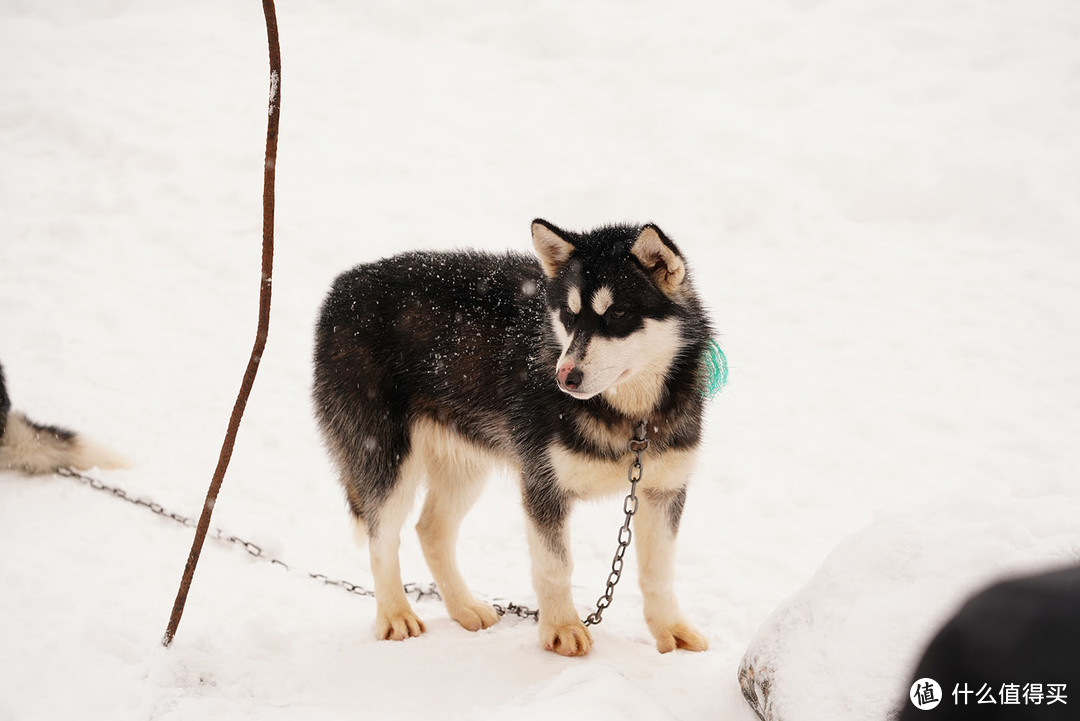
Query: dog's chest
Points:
[586, 476]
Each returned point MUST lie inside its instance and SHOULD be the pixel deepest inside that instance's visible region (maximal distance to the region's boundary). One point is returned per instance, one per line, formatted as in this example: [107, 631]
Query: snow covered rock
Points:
[843, 645]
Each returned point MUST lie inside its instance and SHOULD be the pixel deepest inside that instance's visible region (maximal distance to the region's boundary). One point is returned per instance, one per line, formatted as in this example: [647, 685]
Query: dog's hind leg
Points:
[456, 476]
[380, 475]
[394, 619]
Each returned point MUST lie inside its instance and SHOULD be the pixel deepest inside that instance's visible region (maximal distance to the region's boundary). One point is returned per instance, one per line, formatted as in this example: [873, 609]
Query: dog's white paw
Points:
[473, 615]
[678, 634]
[571, 639]
[397, 625]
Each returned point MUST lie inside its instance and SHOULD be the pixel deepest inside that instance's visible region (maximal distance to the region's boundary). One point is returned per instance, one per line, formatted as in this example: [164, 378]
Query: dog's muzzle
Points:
[569, 376]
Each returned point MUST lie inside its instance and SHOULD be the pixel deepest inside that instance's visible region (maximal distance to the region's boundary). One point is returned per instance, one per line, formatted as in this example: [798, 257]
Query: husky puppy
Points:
[34, 448]
[434, 366]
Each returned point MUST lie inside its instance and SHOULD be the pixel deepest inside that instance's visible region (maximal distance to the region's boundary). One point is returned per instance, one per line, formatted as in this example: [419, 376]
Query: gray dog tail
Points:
[35, 448]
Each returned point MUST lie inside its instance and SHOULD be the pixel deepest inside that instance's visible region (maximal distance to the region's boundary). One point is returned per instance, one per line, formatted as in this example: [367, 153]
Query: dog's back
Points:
[437, 336]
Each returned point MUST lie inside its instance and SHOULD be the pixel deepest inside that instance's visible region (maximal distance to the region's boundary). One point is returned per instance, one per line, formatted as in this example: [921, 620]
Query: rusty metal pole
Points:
[264, 321]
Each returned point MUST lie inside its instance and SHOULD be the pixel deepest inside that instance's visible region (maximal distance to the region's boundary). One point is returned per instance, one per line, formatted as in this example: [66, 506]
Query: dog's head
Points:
[616, 297]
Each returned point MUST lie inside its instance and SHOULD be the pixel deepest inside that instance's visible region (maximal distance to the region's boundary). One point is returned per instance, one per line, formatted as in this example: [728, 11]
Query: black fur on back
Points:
[465, 339]
[421, 335]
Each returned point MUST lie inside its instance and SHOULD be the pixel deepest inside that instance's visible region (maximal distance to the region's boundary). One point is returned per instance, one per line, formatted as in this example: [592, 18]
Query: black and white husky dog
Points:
[436, 365]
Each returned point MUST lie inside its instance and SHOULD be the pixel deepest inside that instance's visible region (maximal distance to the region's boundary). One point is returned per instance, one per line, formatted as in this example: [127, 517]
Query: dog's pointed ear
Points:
[554, 250]
[660, 259]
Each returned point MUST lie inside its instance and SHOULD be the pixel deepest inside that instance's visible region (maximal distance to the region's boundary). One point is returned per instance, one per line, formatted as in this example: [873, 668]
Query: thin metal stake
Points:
[263, 328]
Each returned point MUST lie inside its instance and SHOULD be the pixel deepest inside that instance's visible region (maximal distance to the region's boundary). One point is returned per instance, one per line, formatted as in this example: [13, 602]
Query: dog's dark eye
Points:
[568, 314]
[616, 312]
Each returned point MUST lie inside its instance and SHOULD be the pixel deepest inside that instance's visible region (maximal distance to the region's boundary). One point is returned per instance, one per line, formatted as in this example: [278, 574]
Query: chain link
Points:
[515, 609]
[637, 445]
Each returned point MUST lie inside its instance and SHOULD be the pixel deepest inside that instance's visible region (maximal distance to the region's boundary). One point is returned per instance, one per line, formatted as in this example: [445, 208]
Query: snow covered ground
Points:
[878, 199]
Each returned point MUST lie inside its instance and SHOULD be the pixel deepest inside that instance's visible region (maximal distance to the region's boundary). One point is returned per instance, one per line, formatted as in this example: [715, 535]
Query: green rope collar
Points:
[716, 369]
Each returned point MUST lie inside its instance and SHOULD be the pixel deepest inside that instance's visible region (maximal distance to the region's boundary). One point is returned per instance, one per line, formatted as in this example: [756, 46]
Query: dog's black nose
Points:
[573, 379]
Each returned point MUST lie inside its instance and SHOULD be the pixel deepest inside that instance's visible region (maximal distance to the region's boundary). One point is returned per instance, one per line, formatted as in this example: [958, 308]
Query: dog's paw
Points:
[572, 639]
[679, 634]
[474, 615]
[398, 625]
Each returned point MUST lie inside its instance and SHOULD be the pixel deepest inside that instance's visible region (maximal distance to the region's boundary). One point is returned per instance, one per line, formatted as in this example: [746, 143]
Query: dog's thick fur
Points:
[33, 448]
[436, 365]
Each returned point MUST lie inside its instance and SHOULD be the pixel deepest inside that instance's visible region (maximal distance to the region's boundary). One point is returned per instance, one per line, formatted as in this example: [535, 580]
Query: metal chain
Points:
[637, 445]
[122, 494]
[515, 609]
[420, 590]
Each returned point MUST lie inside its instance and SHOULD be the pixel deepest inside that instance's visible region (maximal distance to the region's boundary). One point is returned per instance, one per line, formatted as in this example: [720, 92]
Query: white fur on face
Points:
[639, 361]
[602, 300]
[563, 337]
[573, 300]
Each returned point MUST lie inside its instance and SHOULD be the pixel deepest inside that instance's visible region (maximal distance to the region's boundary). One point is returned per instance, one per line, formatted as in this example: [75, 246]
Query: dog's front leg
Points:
[561, 630]
[655, 527]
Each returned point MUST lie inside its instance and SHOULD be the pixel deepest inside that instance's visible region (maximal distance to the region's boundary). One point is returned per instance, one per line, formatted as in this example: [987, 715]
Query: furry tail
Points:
[34, 448]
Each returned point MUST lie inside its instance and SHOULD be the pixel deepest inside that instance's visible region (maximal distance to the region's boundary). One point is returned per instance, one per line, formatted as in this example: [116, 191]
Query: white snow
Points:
[877, 199]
